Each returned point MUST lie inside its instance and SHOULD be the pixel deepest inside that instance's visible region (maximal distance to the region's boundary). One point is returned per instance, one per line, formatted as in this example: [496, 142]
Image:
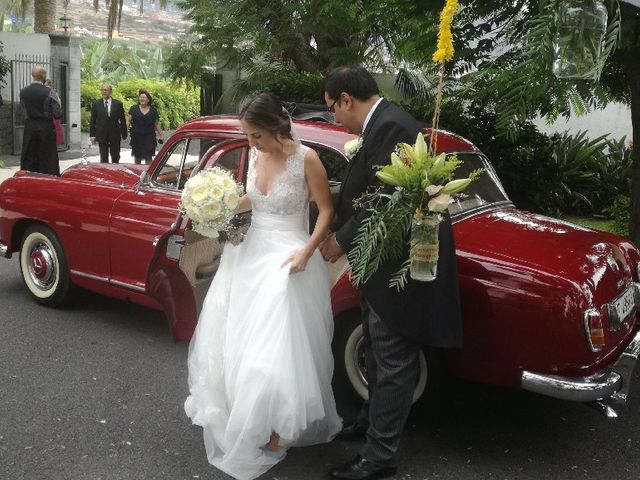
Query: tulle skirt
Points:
[260, 360]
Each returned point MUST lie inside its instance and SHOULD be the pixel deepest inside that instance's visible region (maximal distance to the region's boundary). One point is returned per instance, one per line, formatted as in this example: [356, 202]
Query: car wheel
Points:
[350, 365]
[43, 266]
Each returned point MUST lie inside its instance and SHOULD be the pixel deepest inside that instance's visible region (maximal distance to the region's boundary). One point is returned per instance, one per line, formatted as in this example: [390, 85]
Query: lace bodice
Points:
[289, 193]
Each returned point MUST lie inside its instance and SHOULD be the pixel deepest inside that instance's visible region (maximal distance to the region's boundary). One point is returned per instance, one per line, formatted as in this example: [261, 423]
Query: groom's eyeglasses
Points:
[332, 108]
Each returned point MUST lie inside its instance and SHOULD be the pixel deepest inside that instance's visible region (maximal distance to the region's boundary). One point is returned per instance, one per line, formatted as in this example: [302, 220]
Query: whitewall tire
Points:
[43, 266]
[350, 360]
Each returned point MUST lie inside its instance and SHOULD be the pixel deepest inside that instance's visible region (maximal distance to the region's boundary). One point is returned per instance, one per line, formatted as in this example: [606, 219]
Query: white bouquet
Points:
[209, 199]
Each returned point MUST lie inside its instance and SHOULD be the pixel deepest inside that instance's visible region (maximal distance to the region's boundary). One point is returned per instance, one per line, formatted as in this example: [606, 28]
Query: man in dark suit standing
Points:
[108, 125]
[395, 324]
[39, 151]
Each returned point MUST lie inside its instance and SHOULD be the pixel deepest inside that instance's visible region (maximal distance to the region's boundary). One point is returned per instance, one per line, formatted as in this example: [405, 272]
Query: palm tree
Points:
[115, 12]
[44, 12]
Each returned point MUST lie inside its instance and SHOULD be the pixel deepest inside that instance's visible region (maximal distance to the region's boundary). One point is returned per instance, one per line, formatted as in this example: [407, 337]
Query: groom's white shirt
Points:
[368, 117]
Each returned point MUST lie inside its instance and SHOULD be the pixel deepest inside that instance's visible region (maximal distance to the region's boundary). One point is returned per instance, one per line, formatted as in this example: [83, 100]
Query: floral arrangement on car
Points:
[423, 188]
[209, 199]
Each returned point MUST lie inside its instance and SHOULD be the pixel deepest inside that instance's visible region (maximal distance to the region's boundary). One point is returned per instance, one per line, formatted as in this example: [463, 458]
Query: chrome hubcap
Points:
[360, 360]
[42, 266]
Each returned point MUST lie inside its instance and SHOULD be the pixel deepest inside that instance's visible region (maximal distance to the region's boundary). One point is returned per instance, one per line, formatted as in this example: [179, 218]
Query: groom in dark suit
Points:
[108, 125]
[395, 324]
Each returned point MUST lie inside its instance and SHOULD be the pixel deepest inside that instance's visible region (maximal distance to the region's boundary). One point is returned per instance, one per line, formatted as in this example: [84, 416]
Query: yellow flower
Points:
[445, 39]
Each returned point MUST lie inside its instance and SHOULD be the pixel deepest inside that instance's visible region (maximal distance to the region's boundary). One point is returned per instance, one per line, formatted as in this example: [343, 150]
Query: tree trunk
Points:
[633, 77]
[44, 16]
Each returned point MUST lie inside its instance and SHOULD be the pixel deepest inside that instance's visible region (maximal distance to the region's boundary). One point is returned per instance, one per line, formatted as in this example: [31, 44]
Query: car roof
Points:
[321, 133]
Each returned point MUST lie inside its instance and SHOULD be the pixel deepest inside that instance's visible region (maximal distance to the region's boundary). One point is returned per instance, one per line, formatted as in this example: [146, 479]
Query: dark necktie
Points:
[106, 106]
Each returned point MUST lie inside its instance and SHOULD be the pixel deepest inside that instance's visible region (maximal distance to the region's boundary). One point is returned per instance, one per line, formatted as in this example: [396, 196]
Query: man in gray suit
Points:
[39, 150]
[107, 125]
[395, 324]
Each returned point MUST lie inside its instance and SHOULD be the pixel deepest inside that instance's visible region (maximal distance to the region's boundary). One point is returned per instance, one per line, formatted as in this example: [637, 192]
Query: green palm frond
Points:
[382, 236]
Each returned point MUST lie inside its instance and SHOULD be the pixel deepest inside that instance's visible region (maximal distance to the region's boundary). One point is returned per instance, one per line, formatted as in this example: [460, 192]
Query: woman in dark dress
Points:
[144, 125]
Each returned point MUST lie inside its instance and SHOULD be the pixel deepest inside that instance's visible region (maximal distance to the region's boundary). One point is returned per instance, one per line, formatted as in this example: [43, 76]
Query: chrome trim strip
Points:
[612, 383]
[130, 286]
[116, 283]
[89, 276]
[4, 251]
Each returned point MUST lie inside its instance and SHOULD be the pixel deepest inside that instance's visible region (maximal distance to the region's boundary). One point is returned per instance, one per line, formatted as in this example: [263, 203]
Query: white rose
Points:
[231, 199]
[216, 192]
[199, 193]
[352, 147]
[228, 184]
[194, 182]
[211, 210]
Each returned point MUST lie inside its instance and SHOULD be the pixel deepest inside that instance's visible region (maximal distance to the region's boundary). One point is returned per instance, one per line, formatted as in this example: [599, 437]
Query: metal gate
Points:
[58, 72]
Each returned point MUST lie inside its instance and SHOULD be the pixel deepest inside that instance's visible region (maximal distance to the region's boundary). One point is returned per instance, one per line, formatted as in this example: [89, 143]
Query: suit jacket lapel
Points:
[374, 116]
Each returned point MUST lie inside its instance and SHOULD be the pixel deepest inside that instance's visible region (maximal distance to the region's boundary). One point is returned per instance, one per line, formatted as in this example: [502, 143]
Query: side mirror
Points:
[145, 181]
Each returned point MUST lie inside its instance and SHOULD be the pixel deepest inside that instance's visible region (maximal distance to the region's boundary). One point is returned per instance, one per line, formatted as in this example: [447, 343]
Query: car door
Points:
[140, 217]
[185, 261]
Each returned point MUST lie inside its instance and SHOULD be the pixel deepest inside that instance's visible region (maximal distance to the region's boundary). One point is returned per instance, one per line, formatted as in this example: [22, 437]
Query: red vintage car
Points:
[548, 306]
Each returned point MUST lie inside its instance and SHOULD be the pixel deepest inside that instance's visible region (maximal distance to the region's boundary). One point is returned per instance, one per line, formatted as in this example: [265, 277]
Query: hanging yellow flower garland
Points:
[445, 39]
[443, 53]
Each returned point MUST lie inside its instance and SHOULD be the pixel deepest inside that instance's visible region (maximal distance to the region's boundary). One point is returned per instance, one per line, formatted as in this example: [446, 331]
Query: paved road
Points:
[95, 392]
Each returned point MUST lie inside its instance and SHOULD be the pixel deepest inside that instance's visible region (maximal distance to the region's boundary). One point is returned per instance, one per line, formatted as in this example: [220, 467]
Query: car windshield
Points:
[484, 191]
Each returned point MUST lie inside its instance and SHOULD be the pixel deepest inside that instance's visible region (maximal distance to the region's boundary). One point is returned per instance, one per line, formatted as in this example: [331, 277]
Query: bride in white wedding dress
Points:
[260, 361]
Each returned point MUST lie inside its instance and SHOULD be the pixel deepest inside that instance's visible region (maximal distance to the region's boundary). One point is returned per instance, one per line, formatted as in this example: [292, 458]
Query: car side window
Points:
[196, 149]
[169, 173]
[181, 161]
[334, 163]
[230, 160]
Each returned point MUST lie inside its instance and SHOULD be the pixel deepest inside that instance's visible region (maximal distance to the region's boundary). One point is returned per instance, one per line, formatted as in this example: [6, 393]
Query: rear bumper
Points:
[4, 251]
[611, 383]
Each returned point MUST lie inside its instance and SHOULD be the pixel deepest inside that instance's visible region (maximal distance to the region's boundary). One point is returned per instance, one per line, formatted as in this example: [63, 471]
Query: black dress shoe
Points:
[352, 432]
[362, 469]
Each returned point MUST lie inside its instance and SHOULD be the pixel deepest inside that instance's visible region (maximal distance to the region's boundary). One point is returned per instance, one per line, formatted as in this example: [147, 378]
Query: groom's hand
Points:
[330, 249]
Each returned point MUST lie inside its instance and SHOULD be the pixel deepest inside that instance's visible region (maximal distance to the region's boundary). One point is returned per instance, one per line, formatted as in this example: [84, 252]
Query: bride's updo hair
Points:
[266, 112]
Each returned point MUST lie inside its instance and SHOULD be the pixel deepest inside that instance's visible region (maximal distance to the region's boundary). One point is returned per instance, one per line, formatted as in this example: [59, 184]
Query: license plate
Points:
[625, 304]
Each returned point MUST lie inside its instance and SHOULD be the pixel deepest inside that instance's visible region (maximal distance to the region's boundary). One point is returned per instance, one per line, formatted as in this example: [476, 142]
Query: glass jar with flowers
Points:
[404, 221]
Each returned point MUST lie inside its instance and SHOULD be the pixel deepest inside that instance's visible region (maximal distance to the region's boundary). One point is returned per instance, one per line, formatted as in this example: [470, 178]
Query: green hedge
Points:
[175, 103]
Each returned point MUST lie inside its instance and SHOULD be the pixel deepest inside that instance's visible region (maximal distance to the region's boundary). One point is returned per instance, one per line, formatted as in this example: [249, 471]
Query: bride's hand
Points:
[297, 262]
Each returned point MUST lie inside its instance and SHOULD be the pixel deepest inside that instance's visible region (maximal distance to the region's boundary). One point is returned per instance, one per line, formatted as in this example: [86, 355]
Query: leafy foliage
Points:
[389, 224]
[305, 87]
[184, 61]
[118, 60]
[269, 39]
[619, 210]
